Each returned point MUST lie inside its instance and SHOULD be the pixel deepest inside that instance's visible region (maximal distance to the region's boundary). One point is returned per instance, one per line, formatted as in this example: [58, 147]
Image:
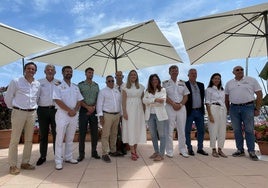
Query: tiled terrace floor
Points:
[193, 172]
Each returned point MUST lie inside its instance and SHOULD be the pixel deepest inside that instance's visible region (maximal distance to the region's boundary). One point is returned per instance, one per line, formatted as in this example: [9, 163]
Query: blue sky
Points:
[67, 21]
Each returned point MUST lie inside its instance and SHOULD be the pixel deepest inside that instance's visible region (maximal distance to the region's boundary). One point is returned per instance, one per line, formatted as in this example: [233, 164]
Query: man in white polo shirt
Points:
[239, 100]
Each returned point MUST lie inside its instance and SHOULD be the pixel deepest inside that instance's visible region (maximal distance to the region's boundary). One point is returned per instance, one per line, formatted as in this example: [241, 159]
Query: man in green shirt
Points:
[87, 114]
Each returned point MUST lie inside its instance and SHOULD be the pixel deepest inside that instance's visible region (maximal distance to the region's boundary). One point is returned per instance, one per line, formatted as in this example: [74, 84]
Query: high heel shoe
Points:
[134, 156]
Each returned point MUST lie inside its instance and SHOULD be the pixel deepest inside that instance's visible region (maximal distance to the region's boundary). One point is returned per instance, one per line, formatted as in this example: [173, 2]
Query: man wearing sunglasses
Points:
[242, 107]
[109, 110]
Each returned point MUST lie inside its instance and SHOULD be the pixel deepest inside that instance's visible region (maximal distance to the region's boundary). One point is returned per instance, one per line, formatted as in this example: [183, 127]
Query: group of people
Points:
[124, 110]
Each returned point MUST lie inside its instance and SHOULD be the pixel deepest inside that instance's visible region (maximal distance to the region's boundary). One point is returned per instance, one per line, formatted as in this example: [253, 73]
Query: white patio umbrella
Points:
[134, 47]
[236, 34]
[16, 44]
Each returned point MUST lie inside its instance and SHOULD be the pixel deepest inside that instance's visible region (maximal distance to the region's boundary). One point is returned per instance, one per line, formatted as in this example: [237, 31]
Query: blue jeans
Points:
[154, 127]
[198, 117]
[242, 118]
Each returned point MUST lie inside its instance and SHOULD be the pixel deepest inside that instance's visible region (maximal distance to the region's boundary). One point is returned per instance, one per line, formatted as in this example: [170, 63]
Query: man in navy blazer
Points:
[195, 112]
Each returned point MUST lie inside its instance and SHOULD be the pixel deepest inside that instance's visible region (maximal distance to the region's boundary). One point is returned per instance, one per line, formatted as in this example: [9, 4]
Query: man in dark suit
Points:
[195, 112]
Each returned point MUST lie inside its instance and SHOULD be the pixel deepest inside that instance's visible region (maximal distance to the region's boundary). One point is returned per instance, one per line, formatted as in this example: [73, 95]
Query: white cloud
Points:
[81, 7]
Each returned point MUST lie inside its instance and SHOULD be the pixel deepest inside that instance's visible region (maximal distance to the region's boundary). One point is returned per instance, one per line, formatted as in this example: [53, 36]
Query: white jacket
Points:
[160, 110]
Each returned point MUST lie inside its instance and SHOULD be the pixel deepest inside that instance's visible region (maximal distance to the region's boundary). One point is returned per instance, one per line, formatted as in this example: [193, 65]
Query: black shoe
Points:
[253, 156]
[202, 152]
[124, 152]
[96, 156]
[238, 153]
[191, 152]
[80, 158]
[106, 158]
[116, 154]
[40, 161]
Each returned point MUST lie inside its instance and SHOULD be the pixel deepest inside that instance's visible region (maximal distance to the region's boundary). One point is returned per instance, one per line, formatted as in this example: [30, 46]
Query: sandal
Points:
[134, 156]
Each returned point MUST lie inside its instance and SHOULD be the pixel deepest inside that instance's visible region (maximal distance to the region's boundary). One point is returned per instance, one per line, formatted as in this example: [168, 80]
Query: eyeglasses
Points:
[109, 81]
[239, 70]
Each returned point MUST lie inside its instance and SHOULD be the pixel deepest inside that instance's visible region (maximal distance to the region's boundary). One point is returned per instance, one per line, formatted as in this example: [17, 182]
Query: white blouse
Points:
[214, 95]
[158, 108]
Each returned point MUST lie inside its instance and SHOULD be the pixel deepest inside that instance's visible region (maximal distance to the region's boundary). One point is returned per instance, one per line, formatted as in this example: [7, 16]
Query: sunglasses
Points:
[239, 70]
[109, 81]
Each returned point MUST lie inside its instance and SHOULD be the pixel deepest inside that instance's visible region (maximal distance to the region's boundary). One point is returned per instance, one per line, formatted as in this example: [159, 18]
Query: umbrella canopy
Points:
[236, 34]
[16, 44]
[134, 47]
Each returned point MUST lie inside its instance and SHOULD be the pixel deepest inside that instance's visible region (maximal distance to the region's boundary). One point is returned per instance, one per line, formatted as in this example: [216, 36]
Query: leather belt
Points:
[197, 108]
[27, 110]
[49, 107]
[243, 104]
[114, 113]
[216, 103]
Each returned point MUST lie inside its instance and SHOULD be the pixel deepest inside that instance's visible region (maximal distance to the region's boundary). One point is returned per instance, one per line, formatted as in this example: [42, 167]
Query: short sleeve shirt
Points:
[215, 95]
[242, 91]
[46, 92]
[70, 95]
[175, 90]
[89, 91]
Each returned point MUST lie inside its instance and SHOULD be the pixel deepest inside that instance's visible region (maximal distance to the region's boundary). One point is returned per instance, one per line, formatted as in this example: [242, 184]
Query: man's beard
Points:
[68, 76]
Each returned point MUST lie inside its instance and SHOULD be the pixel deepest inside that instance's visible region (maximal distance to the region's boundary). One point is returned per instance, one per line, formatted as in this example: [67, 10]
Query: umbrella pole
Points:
[247, 66]
[22, 66]
[115, 55]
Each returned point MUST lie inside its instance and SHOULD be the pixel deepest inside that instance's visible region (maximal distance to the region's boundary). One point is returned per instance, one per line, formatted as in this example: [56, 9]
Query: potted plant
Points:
[261, 136]
[5, 121]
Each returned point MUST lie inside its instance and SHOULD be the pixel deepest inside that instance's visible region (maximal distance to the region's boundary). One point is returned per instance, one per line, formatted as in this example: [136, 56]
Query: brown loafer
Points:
[27, 166]
[222, 154]
[158, 158]
[14, 170]
[215, 154]
[153, 156]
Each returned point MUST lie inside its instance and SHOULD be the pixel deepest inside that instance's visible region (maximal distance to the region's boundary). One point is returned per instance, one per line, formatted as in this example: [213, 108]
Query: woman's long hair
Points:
[128, 84]
[211, 83]
[150, 87]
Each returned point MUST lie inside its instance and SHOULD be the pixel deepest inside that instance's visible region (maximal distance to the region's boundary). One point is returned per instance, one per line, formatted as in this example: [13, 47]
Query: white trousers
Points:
[176, 119]
[65, 127]
[217, 130]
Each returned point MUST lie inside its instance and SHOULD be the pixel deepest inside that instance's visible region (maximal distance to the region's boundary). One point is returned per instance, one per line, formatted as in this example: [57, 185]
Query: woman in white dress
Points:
[134, 128]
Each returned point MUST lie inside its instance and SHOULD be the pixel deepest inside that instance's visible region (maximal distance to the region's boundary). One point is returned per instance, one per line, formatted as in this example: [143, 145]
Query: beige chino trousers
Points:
[109, 132]
[21, 120]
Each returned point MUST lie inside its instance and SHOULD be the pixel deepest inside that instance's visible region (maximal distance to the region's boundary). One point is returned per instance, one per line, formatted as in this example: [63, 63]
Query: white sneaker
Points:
[169, 156]
[58, 166]
[72, 161]
[184, 154]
